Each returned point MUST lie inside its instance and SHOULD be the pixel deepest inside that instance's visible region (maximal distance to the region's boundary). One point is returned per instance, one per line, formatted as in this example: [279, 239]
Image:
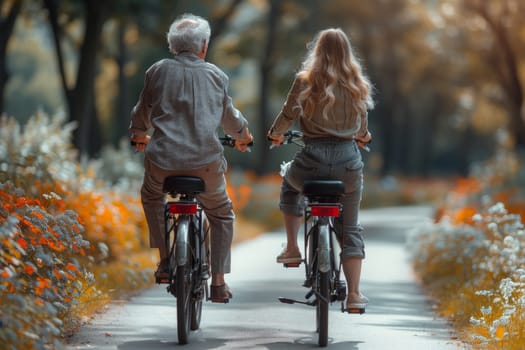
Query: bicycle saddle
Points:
[323, 188]
[183, 184]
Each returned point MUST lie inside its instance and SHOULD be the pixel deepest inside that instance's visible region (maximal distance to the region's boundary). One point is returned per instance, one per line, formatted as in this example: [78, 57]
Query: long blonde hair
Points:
[330, 62]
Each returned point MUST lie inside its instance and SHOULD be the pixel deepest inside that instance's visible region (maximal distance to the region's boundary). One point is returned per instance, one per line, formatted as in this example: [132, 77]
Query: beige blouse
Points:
[342, 122]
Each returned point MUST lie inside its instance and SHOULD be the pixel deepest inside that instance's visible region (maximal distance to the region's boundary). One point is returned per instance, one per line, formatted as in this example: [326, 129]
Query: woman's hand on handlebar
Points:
[364, 141]
[140, 142]
[276, 140]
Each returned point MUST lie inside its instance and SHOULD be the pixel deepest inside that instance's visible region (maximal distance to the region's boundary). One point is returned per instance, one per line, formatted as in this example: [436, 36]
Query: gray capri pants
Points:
[335, 159]
[214, 201]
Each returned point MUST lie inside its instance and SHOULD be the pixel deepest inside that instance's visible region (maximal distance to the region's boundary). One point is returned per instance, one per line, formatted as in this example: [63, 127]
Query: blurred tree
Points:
[396, 40]
[80, 92]
[9, 11]
[153, 20]
[491, 37]
[423, 68]
[267, 63]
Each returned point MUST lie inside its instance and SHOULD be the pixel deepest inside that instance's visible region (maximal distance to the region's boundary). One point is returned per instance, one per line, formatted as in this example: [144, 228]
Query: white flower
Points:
[498, 208]
[486, 310]
[506, 287]
[474, 321]
[509, 241]
[477, 218]
[492, 226]
[509, 312]
[484, 292]
[494, 249]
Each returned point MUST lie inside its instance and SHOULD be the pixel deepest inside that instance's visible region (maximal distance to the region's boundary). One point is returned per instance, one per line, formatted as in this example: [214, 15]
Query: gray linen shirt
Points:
[185, 100]
[342, 122]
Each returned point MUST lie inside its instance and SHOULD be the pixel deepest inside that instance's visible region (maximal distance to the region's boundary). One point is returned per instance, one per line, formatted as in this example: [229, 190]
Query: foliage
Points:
[42, 260]
[38, 156]
[423, 115]
[473, 259]
[70, 240]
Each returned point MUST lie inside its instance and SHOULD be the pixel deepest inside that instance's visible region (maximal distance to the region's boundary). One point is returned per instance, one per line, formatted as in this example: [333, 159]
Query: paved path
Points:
[398, 317]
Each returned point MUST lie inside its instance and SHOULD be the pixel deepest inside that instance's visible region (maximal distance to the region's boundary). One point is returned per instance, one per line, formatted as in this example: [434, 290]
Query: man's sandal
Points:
[220, 294]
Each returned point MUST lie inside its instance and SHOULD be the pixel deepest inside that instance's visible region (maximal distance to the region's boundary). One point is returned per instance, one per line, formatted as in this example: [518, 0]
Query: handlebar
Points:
[227, 140]
[296, 137]
[291, 136]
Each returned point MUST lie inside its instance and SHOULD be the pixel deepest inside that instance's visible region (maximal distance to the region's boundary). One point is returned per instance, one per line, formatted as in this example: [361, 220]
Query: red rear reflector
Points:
[325, 210]
[185, 209]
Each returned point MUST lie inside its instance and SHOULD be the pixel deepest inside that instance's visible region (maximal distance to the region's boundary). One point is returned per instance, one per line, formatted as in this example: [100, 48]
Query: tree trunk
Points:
[7, 24]
[508, 66]
[266, 69]
[82, 101]
[123, 105]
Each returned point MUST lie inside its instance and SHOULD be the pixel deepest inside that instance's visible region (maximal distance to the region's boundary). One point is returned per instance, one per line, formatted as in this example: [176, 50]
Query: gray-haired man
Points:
[184, 101]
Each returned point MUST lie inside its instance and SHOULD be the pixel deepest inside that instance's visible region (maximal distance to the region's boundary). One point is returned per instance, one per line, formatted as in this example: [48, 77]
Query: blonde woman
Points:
[330, 98]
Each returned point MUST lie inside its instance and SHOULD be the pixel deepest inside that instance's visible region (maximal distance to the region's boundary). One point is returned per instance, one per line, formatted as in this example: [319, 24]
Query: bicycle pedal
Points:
[223, 301]
[359, 311]
[292, 264]
[162, 280]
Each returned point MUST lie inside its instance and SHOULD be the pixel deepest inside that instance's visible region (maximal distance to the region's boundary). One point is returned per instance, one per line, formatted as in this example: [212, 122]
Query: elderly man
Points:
[184, 101]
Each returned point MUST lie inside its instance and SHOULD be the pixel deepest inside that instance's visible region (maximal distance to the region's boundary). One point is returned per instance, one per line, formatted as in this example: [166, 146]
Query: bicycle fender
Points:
[182, 241]
[324, 248]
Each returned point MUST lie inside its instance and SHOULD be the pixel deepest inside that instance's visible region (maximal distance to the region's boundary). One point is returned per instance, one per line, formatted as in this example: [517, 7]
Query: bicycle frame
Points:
[186, 241]
[325, 247]
[322, 253]
[185, 212]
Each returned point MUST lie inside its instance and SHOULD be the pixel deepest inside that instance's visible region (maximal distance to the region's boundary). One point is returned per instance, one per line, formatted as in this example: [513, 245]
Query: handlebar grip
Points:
[227, 140]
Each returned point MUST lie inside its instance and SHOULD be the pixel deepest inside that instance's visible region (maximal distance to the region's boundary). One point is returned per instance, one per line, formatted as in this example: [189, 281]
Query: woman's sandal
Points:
[220, 294]
[357, 306]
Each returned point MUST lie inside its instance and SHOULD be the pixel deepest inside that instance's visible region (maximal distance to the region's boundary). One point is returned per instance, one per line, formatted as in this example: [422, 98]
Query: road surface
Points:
[398, 317]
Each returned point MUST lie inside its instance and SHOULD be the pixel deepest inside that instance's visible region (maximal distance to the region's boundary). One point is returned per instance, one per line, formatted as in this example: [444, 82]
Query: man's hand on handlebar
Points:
[243, 145]
[140, 142]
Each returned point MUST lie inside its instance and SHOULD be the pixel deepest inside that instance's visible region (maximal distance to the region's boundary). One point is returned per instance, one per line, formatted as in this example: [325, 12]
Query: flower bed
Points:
[472, 260]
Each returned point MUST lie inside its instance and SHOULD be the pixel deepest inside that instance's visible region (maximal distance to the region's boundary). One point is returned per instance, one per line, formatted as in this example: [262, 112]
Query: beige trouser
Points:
[214, 200]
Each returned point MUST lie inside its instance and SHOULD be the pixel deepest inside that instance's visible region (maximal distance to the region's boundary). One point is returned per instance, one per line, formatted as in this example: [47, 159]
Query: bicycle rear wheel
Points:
[323, 285]
[196, 308]
[322, 307]
[183, 289]
[200, 292]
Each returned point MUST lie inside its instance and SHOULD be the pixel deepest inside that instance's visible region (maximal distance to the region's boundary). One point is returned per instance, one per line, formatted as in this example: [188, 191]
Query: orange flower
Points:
[57, 274]
[464, 215]
[38, 215]
[22, 243]
[58, 247]
[29, 269]
[5, 274]
[500, 332]
[71, 267]
[41, 285]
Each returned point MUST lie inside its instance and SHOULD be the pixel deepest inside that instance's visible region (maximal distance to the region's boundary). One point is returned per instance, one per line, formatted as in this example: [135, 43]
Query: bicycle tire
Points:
[323, 285]
[196, 311]
[198, 295]
[183, 289]
[322, 307]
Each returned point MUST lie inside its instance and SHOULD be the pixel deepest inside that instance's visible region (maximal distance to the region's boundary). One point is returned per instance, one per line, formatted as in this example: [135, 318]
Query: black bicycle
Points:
[186, 240]
[322, 249]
